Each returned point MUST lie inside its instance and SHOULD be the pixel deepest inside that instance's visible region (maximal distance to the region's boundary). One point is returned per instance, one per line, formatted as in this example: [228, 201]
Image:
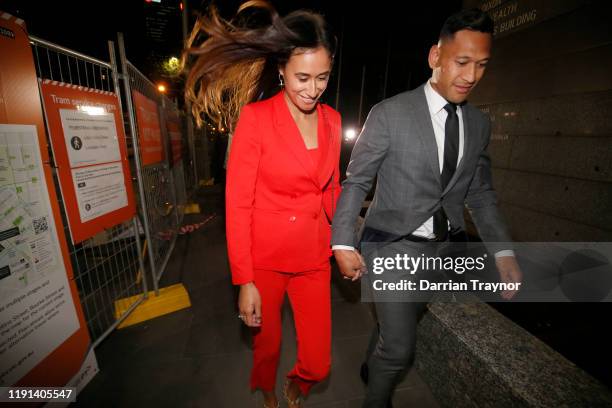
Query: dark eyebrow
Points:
[305, 74]
[470, 58]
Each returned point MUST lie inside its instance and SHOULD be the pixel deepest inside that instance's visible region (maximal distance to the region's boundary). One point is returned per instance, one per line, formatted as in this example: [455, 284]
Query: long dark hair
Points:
[235, 64]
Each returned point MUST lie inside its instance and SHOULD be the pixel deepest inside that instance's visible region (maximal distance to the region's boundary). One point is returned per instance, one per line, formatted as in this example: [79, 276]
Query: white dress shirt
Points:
[438, 114]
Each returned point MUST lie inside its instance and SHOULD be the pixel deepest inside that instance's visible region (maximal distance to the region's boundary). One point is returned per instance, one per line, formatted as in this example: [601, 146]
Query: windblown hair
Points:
[236, 64]
[471, 19]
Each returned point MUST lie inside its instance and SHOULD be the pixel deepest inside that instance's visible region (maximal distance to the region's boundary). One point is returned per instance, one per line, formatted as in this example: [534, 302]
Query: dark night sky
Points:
[368, 32]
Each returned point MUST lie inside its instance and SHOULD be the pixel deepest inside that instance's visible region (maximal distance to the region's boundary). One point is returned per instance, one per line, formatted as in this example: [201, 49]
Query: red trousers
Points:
[309, 295]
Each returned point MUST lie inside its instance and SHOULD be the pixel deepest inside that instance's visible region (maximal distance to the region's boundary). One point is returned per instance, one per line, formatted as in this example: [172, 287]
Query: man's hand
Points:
[351, 263]
[249, 305]
[509, 272]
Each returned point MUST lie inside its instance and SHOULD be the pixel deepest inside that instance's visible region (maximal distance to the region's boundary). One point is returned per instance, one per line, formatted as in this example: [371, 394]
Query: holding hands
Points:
[351, 263]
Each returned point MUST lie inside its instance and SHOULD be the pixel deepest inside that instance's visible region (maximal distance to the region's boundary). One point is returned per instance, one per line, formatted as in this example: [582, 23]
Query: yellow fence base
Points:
[207, 183]
[192, 208]
[170, 299]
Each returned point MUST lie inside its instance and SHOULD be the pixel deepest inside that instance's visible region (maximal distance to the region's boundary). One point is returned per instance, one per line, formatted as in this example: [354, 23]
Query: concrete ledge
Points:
[472, 356]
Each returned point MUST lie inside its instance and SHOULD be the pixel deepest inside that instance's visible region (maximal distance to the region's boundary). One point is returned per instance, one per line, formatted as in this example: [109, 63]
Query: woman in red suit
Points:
[282, 181]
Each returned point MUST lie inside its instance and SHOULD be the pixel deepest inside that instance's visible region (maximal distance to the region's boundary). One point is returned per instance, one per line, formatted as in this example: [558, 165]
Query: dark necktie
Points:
[451, 154]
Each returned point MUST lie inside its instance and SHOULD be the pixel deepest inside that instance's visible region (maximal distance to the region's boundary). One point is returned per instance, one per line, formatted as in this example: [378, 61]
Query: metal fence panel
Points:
[162, 212]
[108, 266]
[111, 265]
[189, 155]
[156, 182]
[178, 173]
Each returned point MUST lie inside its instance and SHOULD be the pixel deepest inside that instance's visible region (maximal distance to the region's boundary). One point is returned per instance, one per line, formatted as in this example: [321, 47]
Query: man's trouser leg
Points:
[392, 346]
[394, 350]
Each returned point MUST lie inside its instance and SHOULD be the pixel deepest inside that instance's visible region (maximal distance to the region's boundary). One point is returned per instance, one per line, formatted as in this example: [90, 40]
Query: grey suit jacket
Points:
[398, 145]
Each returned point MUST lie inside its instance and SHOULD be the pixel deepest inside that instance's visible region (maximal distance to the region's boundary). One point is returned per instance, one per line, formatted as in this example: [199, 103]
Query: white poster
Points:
[91, 136]
[99, 190]
[37, 312]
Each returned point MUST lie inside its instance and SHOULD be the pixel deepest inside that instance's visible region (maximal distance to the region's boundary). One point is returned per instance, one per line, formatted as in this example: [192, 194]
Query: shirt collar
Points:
[435, 101]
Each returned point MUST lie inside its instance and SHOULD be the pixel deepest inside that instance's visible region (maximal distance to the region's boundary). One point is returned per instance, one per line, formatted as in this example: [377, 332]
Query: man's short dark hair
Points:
[471, 19]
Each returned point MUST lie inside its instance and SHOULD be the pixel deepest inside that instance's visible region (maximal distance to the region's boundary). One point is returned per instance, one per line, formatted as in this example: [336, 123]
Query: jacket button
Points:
[292, 218]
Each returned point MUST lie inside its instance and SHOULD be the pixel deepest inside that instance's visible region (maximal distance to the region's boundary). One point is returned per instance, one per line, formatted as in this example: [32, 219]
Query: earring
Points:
[280, 80]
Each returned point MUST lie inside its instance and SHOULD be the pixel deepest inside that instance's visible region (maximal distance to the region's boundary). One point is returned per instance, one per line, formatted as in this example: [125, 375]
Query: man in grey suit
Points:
[427, 148]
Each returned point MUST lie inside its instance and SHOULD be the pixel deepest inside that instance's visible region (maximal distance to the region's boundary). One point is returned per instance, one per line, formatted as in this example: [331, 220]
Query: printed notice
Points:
[149, 131]
[86, 132]
[173, 126]
[99, 189]
[91, 137]
[37, 313]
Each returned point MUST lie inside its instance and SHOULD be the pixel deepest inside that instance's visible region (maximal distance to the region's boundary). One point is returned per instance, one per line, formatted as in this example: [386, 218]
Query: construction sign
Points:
[43, 335]
[173, 126]
[88, 141]
[149, 131]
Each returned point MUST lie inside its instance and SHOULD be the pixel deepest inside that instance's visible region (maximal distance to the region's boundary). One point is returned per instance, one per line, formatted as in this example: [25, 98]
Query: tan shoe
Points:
[293, 403]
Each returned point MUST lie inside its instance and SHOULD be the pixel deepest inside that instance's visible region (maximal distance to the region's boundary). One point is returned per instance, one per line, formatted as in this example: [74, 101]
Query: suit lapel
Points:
[289, 134]
[468, 137]
[426, 133]
[326, 138]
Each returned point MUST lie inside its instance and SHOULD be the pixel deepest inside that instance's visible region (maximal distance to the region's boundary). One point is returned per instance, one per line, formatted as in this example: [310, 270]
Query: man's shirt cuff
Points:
[507, 252]
[344, 247]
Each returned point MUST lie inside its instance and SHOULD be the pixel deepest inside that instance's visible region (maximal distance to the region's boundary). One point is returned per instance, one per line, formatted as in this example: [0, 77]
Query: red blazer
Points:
[279, 205]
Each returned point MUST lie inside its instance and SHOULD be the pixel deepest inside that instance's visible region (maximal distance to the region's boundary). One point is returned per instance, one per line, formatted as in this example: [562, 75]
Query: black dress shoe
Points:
[364, 373]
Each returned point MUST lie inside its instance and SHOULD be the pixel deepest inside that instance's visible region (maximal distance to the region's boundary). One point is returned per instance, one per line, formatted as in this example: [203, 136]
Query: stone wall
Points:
[472, 356]
[548, 91]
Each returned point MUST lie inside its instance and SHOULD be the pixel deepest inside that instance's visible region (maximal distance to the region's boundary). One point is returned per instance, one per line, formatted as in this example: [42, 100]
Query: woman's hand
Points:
[249, 305]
